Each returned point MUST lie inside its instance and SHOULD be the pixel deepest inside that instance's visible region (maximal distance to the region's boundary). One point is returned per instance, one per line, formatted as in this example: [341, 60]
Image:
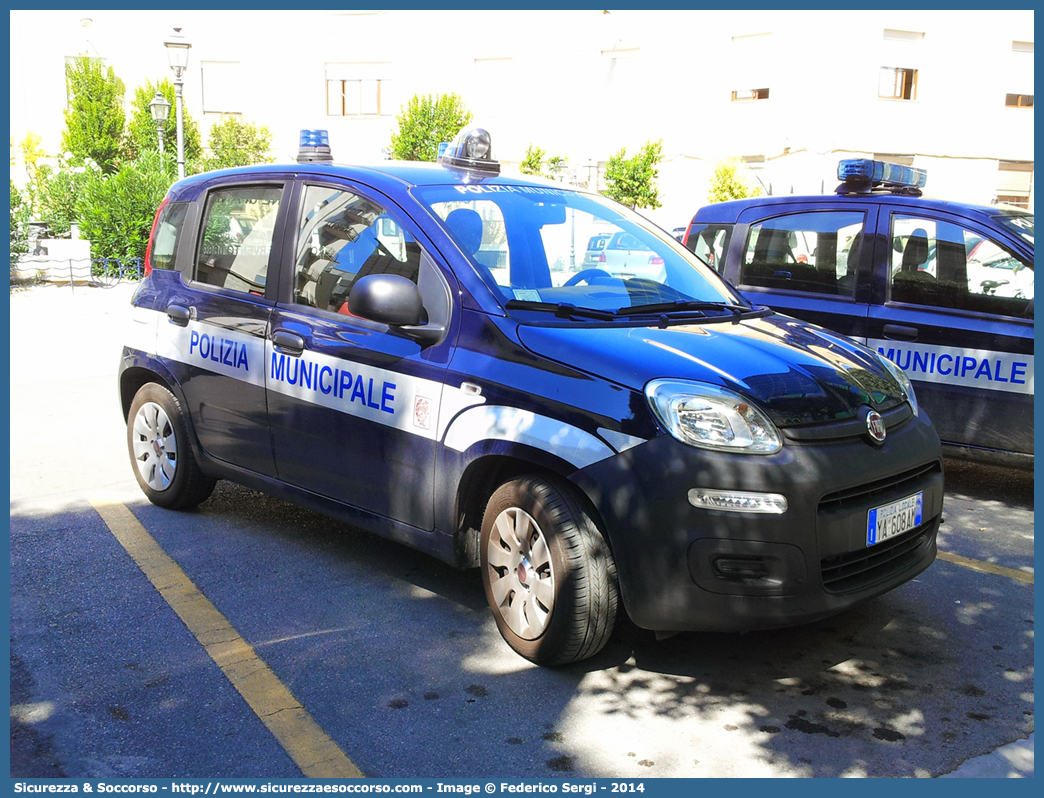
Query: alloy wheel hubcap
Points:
[155, 446]
[521, 577]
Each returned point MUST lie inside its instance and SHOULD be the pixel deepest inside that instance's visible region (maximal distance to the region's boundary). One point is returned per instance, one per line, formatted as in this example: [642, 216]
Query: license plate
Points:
[893, 519]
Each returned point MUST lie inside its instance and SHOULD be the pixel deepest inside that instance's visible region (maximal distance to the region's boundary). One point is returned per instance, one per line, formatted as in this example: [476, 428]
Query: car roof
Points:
[386, 176]
[731, 210]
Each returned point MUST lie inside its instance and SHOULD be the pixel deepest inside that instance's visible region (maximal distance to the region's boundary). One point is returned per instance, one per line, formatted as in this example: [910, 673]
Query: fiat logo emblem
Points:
[875, 426]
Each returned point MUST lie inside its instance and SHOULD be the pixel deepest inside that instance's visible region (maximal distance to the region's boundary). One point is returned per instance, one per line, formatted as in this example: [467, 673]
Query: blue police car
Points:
[419, 350]
[943, 289]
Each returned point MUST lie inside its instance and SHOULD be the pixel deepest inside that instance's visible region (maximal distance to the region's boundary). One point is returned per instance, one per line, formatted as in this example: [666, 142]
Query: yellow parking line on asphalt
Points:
[304, 741]
[986, 567]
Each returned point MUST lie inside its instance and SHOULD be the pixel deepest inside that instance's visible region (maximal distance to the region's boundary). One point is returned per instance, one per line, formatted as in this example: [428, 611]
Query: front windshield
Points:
[1021, 225]
[555, 246]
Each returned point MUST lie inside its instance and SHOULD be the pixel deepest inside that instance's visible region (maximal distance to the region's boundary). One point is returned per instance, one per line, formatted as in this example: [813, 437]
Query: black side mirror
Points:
[393, 300]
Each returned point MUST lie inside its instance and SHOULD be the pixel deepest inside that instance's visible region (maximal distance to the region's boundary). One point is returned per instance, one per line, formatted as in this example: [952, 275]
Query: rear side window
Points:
[815, 253]
[167, 234]
[236, 245]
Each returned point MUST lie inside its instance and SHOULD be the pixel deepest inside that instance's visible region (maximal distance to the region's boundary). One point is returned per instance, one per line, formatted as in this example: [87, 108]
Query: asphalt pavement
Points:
[396, 658]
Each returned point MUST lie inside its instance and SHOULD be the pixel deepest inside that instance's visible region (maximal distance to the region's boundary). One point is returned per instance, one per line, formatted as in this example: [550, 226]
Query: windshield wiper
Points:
[564, 310]
[683, 306]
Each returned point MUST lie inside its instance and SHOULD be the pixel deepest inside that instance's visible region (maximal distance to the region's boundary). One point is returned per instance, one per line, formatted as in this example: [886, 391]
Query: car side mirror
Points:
[393, 300]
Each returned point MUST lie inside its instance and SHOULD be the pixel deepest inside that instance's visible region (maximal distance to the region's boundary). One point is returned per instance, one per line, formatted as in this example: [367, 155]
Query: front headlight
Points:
[712, 418]
[902, 379]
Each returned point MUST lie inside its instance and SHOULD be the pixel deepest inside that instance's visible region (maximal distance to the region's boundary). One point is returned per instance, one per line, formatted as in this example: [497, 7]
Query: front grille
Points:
[911, 480]
[858, 570]
[849, 573]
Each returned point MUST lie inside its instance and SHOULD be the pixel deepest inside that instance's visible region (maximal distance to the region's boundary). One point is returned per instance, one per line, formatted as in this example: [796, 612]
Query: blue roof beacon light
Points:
[472, 152]
[863, 175]
[314, 147]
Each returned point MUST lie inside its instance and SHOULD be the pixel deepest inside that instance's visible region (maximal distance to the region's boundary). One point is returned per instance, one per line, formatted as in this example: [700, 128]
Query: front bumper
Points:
[683, 568]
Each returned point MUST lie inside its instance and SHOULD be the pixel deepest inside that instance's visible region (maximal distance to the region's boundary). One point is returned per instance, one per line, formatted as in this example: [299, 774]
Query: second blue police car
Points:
[943, 289]
[417, 349]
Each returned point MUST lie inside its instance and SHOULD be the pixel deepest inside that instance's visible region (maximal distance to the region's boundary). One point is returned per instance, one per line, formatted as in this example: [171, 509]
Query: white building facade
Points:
[790, 92]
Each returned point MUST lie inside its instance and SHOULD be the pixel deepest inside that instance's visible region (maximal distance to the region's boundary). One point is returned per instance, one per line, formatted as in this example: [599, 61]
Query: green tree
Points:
[19, 224]
[116, 210]
[94, 120]
[141, 130]
[631, 181]
[533, 163]
[729, 182]
[19, 218]
[57, 194]
[554, 164]
[34, 170]
[425, 122]
[237, 143]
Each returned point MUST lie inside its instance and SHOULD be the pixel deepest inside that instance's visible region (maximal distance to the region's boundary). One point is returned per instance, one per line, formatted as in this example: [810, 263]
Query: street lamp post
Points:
[160, 109]
[177, 54]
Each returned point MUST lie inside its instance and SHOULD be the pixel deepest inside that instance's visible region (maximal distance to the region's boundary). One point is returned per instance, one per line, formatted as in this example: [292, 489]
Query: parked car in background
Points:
[627, 257]
[944, 289]
[595, 245]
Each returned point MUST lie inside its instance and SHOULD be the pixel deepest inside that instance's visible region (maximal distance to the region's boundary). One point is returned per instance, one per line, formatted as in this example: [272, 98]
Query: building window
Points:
[752, 56]
[222, 87]
[898, 83]
[358, 90]
[1015, 183]
[355, 97]
[750, 94]
[903, 35]
[1018, 100]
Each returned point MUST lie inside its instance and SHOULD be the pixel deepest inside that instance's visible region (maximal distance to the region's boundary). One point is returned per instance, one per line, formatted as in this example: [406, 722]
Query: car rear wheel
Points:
[548, 574]
[158, 442]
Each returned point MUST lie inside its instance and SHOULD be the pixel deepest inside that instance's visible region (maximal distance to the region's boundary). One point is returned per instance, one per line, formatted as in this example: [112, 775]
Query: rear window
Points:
[810, 252]
[167, 234]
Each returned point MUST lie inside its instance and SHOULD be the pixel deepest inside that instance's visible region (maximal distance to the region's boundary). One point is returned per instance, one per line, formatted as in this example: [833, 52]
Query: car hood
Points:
[796, 373]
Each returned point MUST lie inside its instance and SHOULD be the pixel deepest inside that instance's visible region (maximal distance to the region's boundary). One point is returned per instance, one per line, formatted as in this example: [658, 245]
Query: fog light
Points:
[738, 501]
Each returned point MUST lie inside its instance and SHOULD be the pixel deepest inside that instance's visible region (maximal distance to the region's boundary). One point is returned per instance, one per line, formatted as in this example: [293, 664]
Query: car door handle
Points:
[179, 315]
[898, 332]
[288, 342]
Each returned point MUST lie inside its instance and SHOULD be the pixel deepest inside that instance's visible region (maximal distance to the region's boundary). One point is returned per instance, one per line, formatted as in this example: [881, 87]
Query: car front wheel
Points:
[548, 574]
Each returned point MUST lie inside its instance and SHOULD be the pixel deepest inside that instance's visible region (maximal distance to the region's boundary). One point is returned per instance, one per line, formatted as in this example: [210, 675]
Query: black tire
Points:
[160, 452]
[577, 571]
